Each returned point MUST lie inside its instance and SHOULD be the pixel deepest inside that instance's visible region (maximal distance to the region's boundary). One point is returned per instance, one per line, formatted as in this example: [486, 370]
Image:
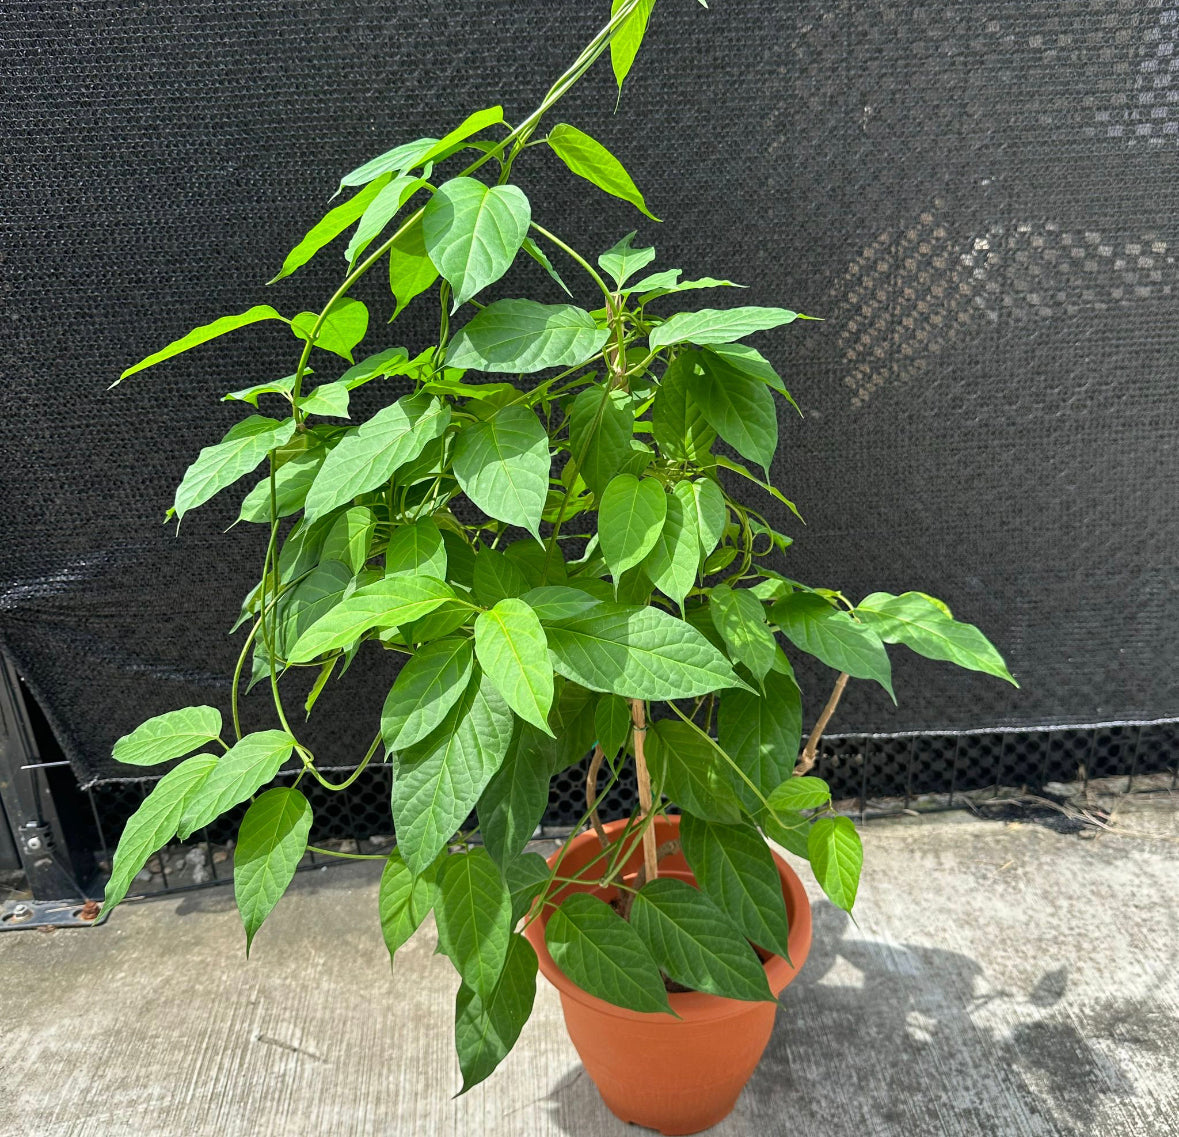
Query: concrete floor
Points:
[1002, 978]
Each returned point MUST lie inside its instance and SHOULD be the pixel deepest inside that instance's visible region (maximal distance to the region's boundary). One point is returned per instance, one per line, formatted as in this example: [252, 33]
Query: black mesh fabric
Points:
[981, 200]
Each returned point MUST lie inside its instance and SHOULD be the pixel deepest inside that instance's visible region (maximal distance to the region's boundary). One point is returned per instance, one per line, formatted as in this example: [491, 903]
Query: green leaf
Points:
[678, 425]
[601, 426]
[318, 592]
[718, 325]
[612, 722]
[553, 602]
[695, 943]
[429, 684]
[342, 328]
[737, 406]
[689, 770]
[735, 868]
[512, 649]
[252, 394]
[762, 733]
[485, 1030]
[712, 514]
[154, 823]
[471, 125]
[923, 625]
[472, 233]
[800, 793]
[516, 797]
[331, 226]
[369, 455]
[639, 653]
[630, 519]
[168, 736]
[741, 620]
[521, 337]
[787, 828]
[833, 637]
[270, 843]
[349, 537]
[391, 361]
[474, 913]
[538, 254]
[321, 681]
[395, 161]
[411, 271]
[379, 212]
[628, 37]
[387, 603]
[497, 578]
[437, 782]
[836, 857]
[674, 559]
[589, 159]
[502, 465]
[404, 900]
[240, 772]
[203, 334]
[328, 399]
[220, 465]
[416, 547]
[652, 287]
[603, 954]
[622, 261]
[726, 358]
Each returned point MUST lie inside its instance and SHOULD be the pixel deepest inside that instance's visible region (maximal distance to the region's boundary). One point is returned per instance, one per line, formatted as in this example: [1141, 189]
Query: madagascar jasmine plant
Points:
[550, 524]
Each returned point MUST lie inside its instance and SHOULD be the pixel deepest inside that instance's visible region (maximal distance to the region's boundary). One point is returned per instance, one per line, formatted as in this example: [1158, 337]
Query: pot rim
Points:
[691, 1006]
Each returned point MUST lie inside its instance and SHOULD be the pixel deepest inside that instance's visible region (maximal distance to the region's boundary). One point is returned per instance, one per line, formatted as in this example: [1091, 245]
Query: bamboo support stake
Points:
[638, 719]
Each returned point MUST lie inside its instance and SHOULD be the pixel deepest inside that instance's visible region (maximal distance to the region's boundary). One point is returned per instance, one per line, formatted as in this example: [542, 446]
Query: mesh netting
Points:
[981, 199]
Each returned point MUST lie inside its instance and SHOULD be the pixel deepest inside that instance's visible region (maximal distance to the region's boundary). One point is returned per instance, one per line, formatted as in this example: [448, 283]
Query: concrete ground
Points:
[1001, 978]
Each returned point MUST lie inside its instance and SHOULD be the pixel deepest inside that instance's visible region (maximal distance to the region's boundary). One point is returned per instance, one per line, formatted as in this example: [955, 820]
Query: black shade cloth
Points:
[981, 199]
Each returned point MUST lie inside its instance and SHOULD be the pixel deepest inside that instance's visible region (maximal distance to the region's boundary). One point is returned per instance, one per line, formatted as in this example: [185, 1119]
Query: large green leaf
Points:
[553, 602]
[915, 620]
[411, 271]
[589, 159]
[270, 843]
[318, 592]
[497, 577]
[728, 357]
[678, 424]
[740, 617]
[512, 649]
[735, 867]
[804, 792]
[368, 456]
[203, 334]
[526, 876]
[522, 336]
[340, 330]
[154, 823]
[833, 637]
[639, 653]
[718, 325]
[470, 126]
[387, 603]
[416, 547]
[836, 857]
[712, 514]
[515, 799]
[404, 900]
[623, 261]
[379, 212]
[240, 772]
[330, 400]
[168, 736]
[437, 782]
[630, 519]
[603, 954]
[695, 942]
[628, 37]
[395, 161]
[220, 465]
[349, 537]
[332, 225]
[430, 683]
[674, 559]
[788, 828]
[486, 1029]
[474, 913]
[292, 480]
[601, 426]
[761, 733]
[472, 233]
[689, 770]
[502, 465]
[737, 406]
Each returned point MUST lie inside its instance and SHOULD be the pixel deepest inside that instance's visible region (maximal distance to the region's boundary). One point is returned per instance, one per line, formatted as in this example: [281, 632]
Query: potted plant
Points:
[541, 524]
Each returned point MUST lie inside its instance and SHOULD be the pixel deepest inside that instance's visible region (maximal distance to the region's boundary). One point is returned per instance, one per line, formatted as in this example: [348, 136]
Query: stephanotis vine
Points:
[550, 522]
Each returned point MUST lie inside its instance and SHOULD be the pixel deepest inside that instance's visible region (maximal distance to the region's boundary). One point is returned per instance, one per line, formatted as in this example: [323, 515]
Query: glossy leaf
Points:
[270, 843]
[496, 577]
[329, 400]
[738, 407]
[805, 792]
[430, 683]
[639, 653]
[203, 334]
[317, 593]
[675, 557]
[735, 868]
[341, 329]
[836, 857]
[695, 942]
[718, 325]
[601, 426]
[411, 271]
[741, 620]
[588, 158]
[404, 900]
[541, 257]
[379, 212]
[512, 649]
[349, 537]
[154, 823]
[678, 425]
[473, 910]
[786, 828]
[728, 357]
[653, 287]
[554, 602]
[623, 261]
[168, 736]
[628, 37]
[368, 456]
[712, 514]
[472, 233]
[437, 782]
[417, 547]
[762, 733]
[689, 770]
[395, 161]
[612, 721]
[468, 128]
[391, 361]
[502, 465]
[521, 336]
[630, 519]
[515, 799]
[603, 954]
[526, 875]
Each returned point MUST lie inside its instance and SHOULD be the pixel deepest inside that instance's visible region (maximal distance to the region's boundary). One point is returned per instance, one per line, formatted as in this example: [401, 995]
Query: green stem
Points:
[348, 856]
[576, 256]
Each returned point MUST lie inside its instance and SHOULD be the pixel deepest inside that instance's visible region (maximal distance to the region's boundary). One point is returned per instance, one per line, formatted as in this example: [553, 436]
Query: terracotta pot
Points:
[675, 1075]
